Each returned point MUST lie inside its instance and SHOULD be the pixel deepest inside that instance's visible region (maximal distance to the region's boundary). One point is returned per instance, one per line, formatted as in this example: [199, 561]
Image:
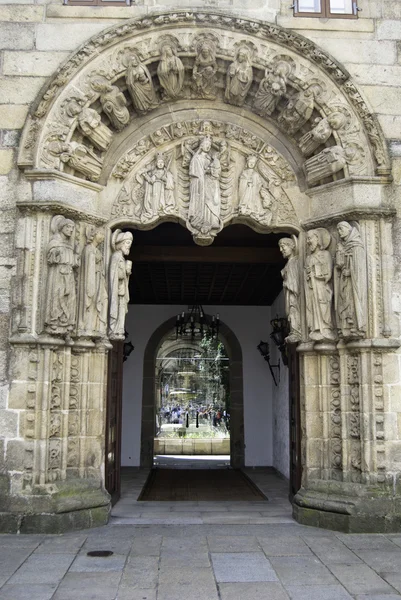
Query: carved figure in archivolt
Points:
[79, 157]
[271, 89]
[319, 285]
[204, 193]
[140, 85]
[350, 282]
[92, 299]
[159, 185]
[254, 198]
[204, 71]
[91, 125]
[113, 102]
[321, 132]
[292, 287]
[298, 111]
[326, 163]
[239, 77]
[62, 260]
[170, 72]
[119, 272]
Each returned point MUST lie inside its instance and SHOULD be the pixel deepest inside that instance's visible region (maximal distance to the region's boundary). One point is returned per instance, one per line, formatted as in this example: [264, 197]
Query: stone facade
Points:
[204, 115]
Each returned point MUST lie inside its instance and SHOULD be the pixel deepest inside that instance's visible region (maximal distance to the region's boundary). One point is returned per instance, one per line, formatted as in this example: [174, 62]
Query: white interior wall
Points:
[249, 324]
[281, 427]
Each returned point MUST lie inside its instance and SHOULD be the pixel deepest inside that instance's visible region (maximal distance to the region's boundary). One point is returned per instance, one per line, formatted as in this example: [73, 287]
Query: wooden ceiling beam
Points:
[212, 254]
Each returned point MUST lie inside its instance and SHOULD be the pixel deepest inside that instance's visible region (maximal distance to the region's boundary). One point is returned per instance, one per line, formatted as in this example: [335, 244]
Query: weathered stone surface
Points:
[12, 116]
[21, 14]
[16, 36]
[6, 161]
[17, 89]
[64, 37]
[39, 64]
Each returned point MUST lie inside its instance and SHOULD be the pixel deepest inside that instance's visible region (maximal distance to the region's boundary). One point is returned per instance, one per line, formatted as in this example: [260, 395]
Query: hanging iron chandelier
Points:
[194, 323]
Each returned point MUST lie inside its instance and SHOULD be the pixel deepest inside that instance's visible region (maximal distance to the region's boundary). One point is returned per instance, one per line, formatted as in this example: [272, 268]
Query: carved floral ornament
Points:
[131, 70]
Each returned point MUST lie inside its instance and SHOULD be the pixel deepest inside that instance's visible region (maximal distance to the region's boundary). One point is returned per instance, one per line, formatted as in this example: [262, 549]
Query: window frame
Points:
[325, 12]
[118, 3]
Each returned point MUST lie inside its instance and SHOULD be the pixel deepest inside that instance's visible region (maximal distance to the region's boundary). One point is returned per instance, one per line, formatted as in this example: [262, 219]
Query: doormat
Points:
[212, 485]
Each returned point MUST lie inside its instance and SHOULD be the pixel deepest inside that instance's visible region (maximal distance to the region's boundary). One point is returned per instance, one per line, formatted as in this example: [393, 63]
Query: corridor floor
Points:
[202, 551]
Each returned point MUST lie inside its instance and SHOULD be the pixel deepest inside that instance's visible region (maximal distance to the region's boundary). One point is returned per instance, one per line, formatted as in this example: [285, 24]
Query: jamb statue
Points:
[62, 260]
[119, 272]
[292, 287]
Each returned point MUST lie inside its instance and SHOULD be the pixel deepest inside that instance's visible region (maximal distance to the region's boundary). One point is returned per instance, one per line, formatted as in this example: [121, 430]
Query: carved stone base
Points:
[351, 508]
[72, 506]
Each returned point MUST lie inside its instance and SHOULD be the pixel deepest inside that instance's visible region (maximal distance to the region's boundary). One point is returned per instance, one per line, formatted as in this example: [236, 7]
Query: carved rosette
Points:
[354, 418]
[335, 419]
[379, 417]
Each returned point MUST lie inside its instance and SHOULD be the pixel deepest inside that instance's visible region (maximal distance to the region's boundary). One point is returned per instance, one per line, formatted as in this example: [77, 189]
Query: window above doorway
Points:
[337, 9]
[97, 2]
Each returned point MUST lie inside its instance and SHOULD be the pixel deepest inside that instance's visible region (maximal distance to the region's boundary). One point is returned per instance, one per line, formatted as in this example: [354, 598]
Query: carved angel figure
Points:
[255, 199]
[204, 72]
[319, 285]
[272, 87]
[350, 282]
[62, 260]
[249, 186]
[119, 272]
[292, 288]
[92, 303]
[170, 72]
[140, 85]
[326, 163]
[159, 189]
[320, 133]
[113, 102]
[90, 123]
[205, 201]
[298, 111]
[239, 78]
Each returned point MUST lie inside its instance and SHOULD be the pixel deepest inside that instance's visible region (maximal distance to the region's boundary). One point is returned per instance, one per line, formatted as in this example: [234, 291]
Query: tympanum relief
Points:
[131, 81]
[206, 176]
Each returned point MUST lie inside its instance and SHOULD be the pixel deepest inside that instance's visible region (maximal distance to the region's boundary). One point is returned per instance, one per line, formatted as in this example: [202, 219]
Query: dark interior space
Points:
[242, 267]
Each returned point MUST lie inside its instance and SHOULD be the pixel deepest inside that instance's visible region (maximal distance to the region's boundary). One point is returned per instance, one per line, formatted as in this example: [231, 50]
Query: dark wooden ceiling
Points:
[241, 267]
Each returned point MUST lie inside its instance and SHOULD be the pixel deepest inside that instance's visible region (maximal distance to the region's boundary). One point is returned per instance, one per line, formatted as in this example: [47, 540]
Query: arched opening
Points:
[239, 278]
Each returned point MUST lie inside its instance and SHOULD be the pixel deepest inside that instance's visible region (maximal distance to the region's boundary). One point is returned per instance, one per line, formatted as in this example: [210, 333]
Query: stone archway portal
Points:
[207, 120]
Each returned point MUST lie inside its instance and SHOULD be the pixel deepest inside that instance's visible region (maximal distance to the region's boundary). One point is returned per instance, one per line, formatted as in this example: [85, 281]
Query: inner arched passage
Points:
[233, 347]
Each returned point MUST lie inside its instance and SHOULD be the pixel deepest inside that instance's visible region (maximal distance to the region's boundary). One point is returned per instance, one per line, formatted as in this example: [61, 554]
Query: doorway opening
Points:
[238, 277]
[192, 401]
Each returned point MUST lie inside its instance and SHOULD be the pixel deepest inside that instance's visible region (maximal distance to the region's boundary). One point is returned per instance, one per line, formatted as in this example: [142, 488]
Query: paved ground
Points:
[202, 551]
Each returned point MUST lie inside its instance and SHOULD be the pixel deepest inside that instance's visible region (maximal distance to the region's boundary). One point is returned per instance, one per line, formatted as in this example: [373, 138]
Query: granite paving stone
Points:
[366, 541]
[27, 591]
[140, 572]
[318, 592]
[394, 579]
[43, 568]
[138, 594]
[88, 586]
[252, 591]
[301, 570]
[83, 563]
[229, 543]
[284, 546]
[10, 560]
[232, 567]
[331, 550]
[360, 579]
[388, 561]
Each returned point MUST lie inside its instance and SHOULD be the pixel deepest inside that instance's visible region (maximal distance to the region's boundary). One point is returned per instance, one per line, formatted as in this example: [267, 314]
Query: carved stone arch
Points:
[57, 116]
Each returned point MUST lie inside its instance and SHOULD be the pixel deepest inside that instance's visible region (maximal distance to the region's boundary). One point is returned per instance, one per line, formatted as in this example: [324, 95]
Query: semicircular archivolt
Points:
[132, 72]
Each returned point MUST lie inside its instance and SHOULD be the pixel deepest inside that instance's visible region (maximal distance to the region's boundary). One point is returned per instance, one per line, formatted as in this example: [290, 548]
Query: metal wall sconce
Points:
[264, 349]
[128, 347]
[278, 335]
